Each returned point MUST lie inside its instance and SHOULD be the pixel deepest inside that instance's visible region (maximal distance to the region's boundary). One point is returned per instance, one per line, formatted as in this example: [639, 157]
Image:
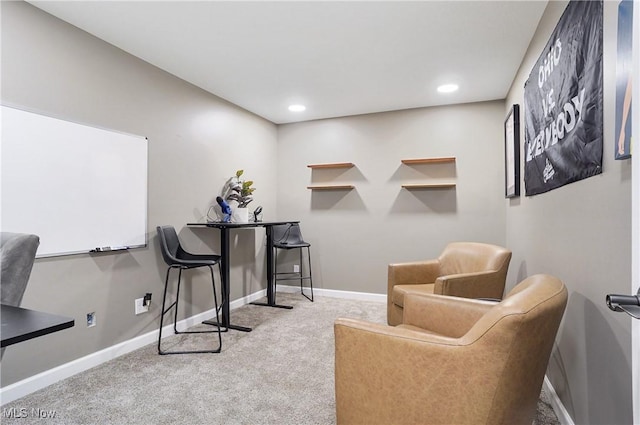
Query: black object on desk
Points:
[21, 324]
[225, 266]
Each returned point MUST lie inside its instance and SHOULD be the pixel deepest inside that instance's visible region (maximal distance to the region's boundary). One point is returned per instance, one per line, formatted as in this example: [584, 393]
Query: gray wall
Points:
[582, 233]
[356, 234]
[196, 142]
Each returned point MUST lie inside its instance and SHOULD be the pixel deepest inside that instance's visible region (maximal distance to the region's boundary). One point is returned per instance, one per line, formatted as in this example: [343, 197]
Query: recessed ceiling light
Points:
[297, 108]
[447, 88]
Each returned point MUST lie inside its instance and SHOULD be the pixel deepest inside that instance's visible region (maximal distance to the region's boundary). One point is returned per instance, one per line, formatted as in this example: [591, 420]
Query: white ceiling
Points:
[337, 58]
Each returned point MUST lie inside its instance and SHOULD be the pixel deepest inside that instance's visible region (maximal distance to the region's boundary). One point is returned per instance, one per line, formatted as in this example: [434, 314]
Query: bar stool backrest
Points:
[287, 235]
[169, 244]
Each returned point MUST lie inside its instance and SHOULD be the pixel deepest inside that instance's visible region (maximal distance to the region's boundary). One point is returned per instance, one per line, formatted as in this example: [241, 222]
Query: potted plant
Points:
[240, 191]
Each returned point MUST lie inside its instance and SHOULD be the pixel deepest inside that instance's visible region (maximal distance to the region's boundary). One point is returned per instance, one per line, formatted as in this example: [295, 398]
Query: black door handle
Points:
[629, 304]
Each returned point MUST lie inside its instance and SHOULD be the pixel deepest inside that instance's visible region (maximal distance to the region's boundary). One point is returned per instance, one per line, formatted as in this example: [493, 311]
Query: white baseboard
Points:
[561, 412]
[334, 293]
[34, 383]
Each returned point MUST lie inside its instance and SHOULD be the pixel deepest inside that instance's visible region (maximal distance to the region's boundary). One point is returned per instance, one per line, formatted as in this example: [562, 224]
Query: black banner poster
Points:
[563, 108]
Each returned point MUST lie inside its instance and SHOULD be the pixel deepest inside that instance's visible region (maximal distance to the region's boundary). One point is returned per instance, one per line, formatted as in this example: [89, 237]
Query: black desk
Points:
[21, 324]
[225, 266]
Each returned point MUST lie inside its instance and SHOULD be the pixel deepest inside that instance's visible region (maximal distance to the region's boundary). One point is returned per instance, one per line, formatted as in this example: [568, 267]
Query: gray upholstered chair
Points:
[17, 253]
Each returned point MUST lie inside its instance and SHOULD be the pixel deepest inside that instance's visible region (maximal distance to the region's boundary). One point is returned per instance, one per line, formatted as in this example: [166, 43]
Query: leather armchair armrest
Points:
[371, 329]
[443, 315]
[413, 273]
[487, 284]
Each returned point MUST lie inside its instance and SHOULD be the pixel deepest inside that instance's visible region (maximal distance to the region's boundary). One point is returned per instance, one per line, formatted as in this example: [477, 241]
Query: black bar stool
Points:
[287, 237]
[178, 258]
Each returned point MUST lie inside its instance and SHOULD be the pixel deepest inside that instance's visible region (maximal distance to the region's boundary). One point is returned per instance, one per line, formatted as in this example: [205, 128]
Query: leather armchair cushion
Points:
[399, 292]
[443, 315]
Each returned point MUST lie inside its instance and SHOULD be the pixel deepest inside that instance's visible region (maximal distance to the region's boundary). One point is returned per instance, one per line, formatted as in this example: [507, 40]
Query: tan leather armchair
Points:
[464, 269]
[452, 361]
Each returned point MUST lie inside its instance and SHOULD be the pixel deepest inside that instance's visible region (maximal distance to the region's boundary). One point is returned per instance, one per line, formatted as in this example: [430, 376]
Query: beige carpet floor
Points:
[280, 373]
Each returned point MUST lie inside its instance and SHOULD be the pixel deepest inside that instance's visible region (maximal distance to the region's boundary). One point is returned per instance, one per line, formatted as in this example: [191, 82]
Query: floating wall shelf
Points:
[332, 165]
[441, 160]
[429, 186]
[332, 187]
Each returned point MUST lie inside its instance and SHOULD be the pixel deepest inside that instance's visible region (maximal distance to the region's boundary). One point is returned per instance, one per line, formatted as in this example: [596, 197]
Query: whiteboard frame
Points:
[117, 164]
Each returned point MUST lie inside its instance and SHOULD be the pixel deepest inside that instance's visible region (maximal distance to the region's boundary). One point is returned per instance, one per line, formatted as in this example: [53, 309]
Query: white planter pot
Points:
[241, 215]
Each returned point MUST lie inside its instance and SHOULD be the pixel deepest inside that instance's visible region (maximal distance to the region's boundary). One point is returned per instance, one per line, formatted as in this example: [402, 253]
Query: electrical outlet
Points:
[296, 268]
[91, 319]
[140, 307]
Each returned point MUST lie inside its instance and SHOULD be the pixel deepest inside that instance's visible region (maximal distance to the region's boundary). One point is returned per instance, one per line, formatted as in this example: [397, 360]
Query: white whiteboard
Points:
[77, 187]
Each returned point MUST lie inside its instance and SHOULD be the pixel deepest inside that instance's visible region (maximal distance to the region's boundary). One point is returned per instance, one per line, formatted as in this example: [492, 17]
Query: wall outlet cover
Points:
[140, 307]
